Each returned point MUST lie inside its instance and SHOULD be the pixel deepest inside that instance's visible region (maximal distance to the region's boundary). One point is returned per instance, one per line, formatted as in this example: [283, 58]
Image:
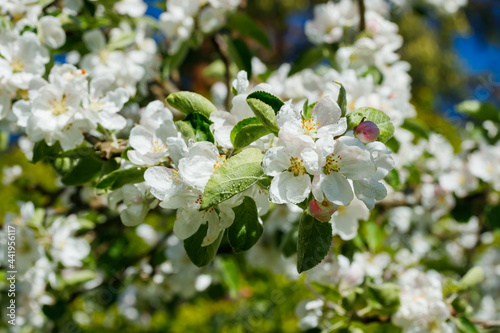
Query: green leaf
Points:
[378, 117]
[265, 113]
[265, 182]
[417, 127]
[247, 131]
[87, 169]
[41, 150]
[472, 278]
[342, 99]
[308, 59]
[315, 239]
[240, 54]
[246, 228]
[188, 102]
[269, 99]
[288, 244]
[386, 294]
[464, 325]
[118, 178]
[63, 165]
[201, 255]
[185, 128]
[4, 140]
[201, 127]
[79, 277]
[55, 311]
[307, 109]
[173, 62]
[234, 176]
[247, 26]
[229, 270]
[373, 235]
[393, 180]
[480, 111]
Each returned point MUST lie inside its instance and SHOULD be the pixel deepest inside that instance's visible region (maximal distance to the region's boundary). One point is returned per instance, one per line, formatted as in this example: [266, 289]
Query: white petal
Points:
[326, 111]
[187, 223]
[141, 139]
[337, 189]
[196, 171]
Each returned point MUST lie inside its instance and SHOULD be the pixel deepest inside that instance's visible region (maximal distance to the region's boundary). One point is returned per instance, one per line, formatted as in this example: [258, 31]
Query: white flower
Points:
[132, 8]
[135, 206]
[422, 306]
[373, 265]
[210, 19]
[66, 248]
[329, 21]
[288, 165]
[150, 147]
[370, 189]
[339, 160]
[103, 104]
[345, 219]
[50, 32]
[24, 58]
[325, 122]
[177, 24]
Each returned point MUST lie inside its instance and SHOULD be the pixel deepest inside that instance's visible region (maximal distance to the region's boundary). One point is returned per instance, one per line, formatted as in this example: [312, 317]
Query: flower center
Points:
[296, 166]
[332, 164]
[158, 147]
[220, 160]
[176, 178]
[58, 107]
[17, 65]
[310, 125]
[96, 104]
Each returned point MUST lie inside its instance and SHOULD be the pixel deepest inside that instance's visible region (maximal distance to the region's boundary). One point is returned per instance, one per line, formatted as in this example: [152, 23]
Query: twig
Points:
[486, 323]
[107, 150]
[221, 45]
[362, 23]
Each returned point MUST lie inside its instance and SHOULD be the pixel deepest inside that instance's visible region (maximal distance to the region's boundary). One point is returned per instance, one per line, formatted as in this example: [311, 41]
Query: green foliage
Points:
[240, 54]
[265, 107]
[378, 117]
[342, 99]
[189, 102]
[234, 176]
[472, 278]
[246, 228]
[479, 111]
[308, 59]
[201, 255]
[247, 131]
[307, 109]
[314, 241]
[87, 169]
[247, 26]
[464, 325]
[118, 178]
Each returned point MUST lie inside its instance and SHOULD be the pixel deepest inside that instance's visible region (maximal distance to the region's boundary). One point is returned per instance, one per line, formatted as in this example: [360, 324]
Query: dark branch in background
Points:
[221, 46]
[107, 150]
[362, 24]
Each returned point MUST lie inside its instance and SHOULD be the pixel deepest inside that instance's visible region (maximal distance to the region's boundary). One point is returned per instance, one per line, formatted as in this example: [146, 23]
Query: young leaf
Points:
[464, 325]
[201, 255]
[472, 278]
[247, 26]
[118, 178]
[201, 126]
[315, 239]
[342, 99]
[307, 109]
[234, 176]
[188, 102]
[185, 128]
[247, 131]
[378, 117]
[269, 99]
[246, 228]
[265, 113]
[240, 54]
[41, 150]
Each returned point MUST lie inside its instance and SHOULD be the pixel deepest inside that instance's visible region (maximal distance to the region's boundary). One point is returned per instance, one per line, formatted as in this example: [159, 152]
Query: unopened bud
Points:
[366, 131]
[322, 211]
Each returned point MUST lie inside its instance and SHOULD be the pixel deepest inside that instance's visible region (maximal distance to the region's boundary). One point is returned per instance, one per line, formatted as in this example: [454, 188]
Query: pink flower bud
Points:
[322, 211]
[366, 131]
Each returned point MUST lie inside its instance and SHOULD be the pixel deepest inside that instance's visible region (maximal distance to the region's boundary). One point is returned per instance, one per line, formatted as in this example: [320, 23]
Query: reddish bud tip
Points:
[322, 211]
[366, 131]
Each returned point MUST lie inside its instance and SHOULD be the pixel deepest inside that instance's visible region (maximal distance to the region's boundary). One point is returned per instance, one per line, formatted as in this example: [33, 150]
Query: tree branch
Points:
[107, 150]
[362, 9]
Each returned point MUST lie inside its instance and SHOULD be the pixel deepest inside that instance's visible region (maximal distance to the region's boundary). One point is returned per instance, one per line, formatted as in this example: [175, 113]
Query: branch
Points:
[486, 323]
[362, 24]
[107, 150]
[221, 46]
